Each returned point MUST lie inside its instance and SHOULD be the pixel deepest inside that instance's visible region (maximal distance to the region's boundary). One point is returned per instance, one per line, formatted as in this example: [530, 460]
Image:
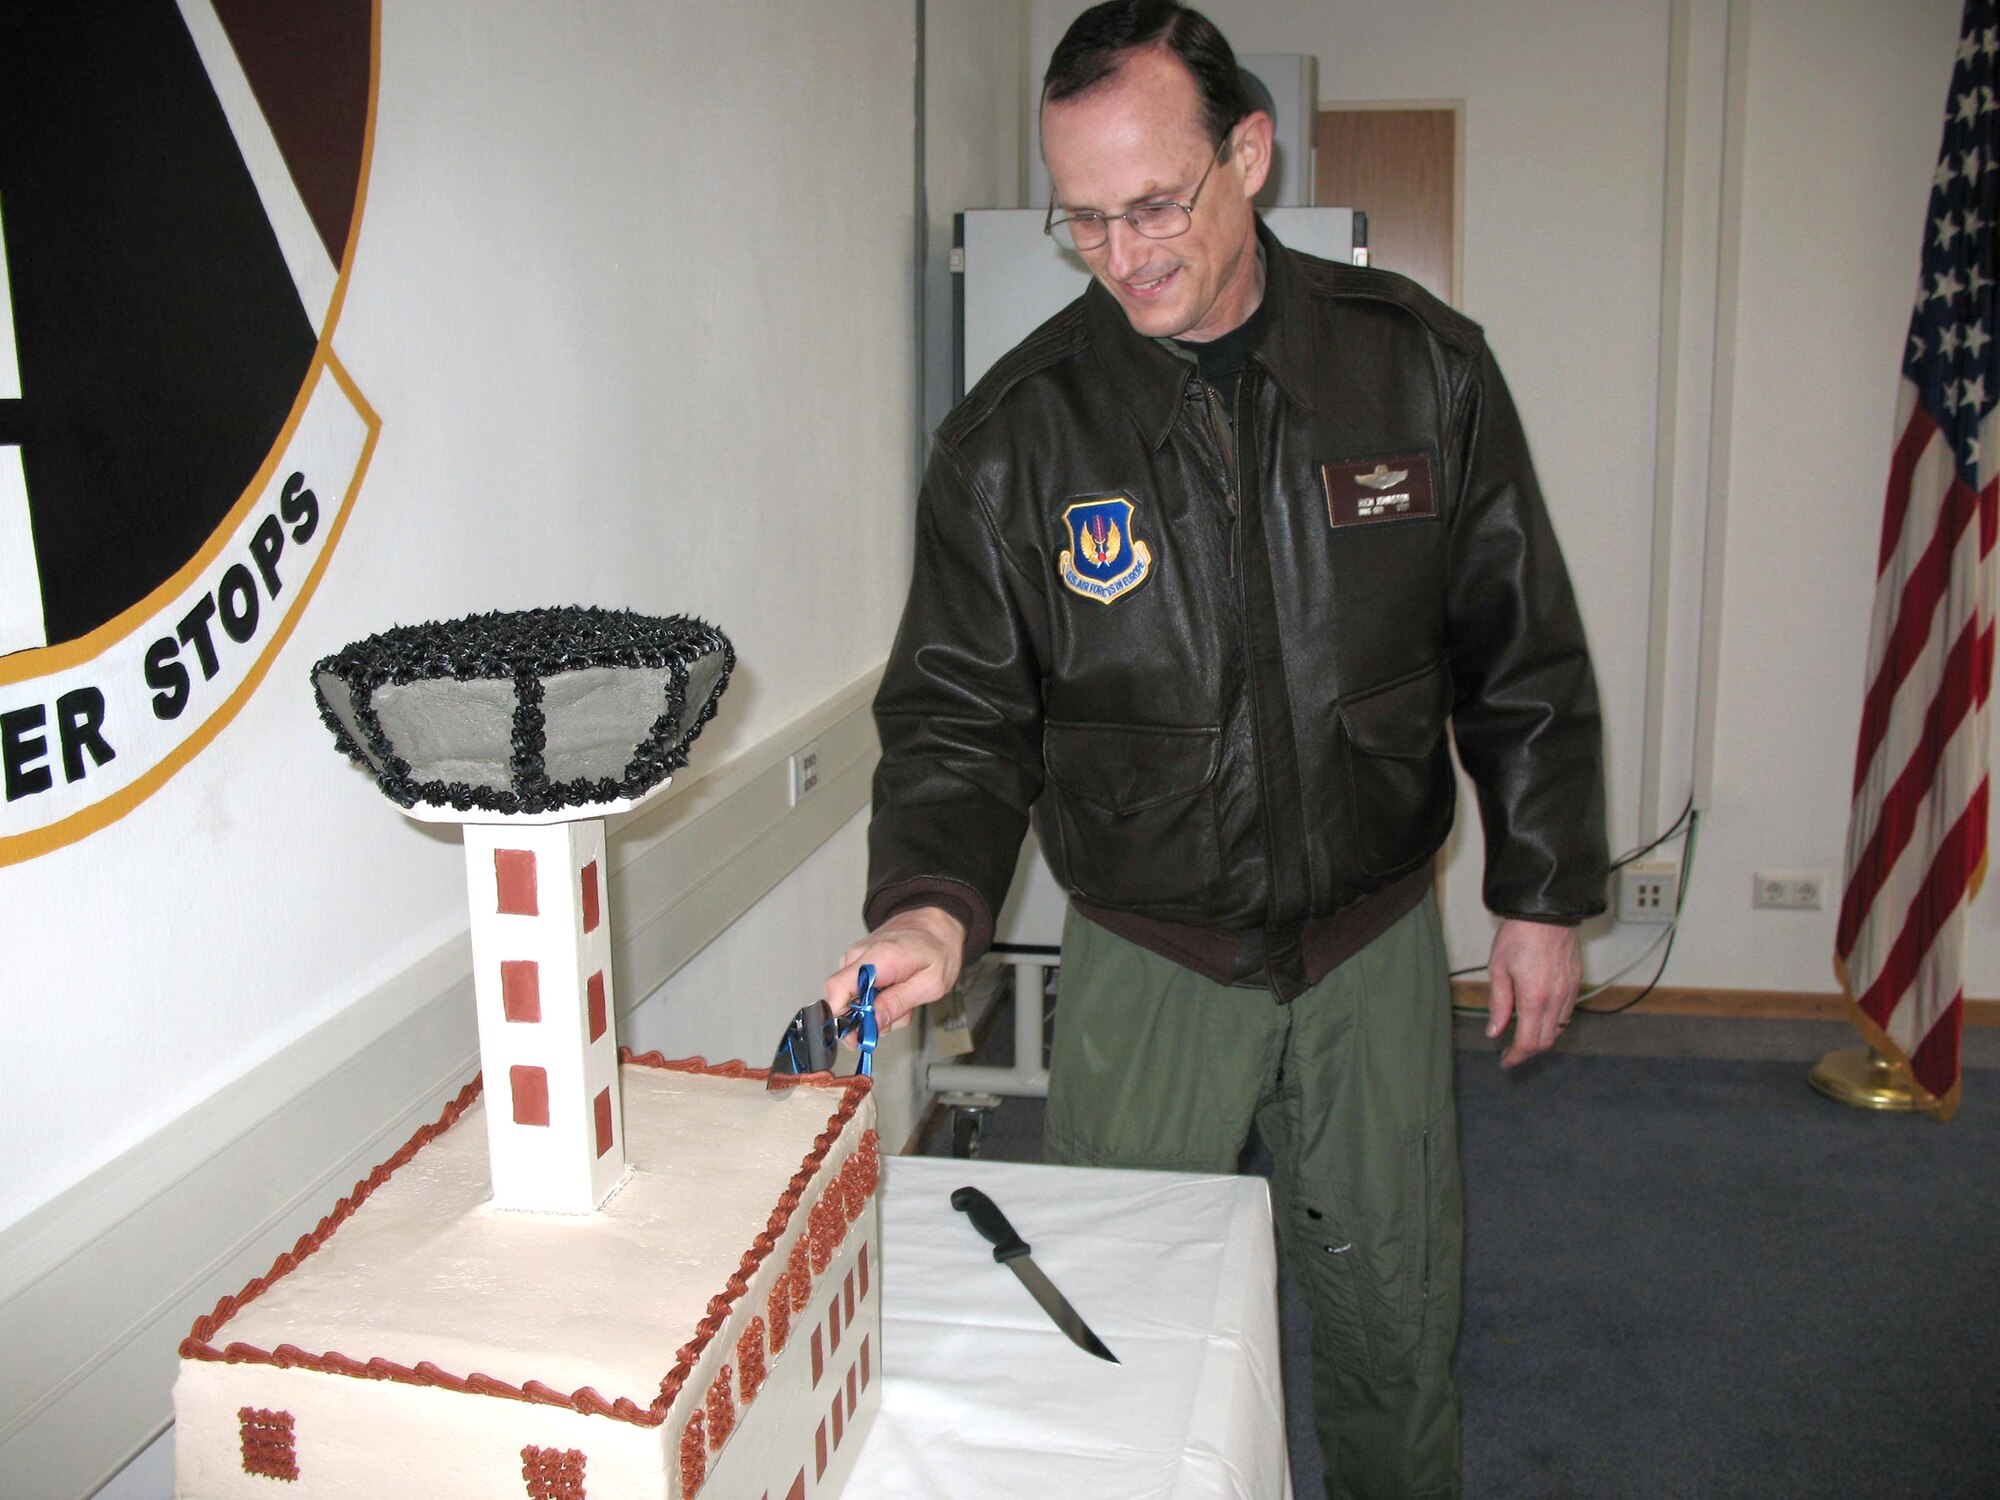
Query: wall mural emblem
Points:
[181, 187]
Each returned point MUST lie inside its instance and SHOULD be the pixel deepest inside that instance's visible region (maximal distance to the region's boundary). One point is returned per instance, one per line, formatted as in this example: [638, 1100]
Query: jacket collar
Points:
[1152, 382]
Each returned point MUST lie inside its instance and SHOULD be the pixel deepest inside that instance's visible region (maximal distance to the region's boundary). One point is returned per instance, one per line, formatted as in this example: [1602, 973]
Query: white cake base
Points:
[423, 1343]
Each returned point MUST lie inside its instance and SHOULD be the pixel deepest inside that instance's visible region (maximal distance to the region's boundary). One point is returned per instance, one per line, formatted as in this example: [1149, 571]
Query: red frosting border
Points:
[198, 1345]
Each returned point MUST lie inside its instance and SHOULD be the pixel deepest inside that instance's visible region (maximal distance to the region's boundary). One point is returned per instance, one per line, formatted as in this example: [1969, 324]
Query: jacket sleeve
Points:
[959, 714]
[1525, 714]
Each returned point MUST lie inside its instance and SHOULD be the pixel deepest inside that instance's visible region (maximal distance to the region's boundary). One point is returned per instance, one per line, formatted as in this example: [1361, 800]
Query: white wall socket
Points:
[805, 772]
[1646, 892]
[1787, 891]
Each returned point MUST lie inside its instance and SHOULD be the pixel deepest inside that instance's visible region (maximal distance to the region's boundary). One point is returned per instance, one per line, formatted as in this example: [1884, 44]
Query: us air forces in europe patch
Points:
[1104, 559]
[1378, 490]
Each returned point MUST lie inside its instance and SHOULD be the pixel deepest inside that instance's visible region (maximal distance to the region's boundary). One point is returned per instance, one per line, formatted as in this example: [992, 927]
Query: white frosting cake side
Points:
[713, 1330]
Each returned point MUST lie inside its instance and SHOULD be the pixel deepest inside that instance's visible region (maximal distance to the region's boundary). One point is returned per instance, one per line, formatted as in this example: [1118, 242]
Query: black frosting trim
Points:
[525, 646]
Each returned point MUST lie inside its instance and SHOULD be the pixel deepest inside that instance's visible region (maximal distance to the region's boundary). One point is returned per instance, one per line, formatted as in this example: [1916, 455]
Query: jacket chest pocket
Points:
[1134, 811]
[1400, 783]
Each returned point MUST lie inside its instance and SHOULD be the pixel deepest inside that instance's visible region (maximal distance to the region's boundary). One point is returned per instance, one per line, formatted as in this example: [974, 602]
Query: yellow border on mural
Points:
[26, 665]
[98, 815]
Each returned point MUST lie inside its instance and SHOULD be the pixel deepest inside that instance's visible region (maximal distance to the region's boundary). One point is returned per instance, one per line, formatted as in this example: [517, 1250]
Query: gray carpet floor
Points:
[1689, 1275]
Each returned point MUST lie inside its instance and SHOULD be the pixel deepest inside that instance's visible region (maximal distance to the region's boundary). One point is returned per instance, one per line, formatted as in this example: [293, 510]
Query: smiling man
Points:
[1204, 567]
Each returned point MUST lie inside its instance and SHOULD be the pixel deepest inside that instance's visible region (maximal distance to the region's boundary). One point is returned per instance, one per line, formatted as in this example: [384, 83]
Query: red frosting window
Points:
[721, 1409]
[694, 1457]
[594, 989]
[521, 989]
[531, 1094]
[590, 897]
[601, 1108]
[268, 1446]
[800, 1267]
[514, 874]
[552, 1473]
[750, 1360]
[780, 1307]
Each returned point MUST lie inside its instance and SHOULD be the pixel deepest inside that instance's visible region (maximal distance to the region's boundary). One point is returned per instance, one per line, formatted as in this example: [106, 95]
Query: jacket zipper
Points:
[1212, 399]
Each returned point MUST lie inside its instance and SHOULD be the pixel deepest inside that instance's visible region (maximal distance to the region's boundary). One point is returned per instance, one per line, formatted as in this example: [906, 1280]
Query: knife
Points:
[1012, 1252]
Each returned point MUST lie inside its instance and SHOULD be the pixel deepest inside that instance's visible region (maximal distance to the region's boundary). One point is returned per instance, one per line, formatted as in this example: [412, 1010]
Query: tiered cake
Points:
[646, 1281]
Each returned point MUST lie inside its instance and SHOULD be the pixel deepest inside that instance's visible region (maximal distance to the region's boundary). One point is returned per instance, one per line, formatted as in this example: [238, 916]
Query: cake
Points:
[712, 1330]
[611, 1277]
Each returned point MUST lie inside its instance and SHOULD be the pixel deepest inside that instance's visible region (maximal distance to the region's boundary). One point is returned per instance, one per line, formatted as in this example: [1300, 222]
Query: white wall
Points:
[624, 353]
[723, 1004]
[977, 111]
[1566, 116]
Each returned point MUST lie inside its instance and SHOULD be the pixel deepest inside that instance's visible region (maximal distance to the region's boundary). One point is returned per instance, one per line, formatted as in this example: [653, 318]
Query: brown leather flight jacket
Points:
[1225, 699]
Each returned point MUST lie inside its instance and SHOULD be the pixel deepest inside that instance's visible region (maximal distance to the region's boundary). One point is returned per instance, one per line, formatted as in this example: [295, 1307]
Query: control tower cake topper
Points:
[529, 729]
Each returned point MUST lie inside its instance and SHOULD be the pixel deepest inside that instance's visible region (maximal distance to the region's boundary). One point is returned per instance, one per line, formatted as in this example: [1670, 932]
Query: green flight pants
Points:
[1350, 1087]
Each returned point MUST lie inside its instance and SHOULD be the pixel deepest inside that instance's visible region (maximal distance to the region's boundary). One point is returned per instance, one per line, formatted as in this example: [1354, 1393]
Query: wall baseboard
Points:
[98, 1286]
[1767, 1005]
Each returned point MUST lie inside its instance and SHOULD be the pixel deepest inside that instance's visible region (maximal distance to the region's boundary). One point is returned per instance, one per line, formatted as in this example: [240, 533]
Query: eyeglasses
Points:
[1156, 221]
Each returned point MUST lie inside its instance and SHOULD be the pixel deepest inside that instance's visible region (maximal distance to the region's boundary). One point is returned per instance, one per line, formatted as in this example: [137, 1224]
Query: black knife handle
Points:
[989, 1221]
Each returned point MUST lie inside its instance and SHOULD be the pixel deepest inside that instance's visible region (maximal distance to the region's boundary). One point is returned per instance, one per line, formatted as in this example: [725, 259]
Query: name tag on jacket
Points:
[1375, 490]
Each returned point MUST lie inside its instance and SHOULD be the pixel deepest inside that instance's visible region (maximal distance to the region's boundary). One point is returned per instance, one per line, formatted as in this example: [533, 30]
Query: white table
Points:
[984, 1397]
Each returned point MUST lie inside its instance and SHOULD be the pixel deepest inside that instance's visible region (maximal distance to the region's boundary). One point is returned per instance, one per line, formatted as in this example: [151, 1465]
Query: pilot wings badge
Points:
[1104, 560]
[1382, 477]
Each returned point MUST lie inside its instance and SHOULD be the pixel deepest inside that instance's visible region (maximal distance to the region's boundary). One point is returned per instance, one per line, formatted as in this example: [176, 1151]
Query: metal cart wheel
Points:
[968, 1124]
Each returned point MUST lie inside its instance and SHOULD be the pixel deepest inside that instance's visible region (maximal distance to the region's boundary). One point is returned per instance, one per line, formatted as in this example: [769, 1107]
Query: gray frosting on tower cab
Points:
[525, 712]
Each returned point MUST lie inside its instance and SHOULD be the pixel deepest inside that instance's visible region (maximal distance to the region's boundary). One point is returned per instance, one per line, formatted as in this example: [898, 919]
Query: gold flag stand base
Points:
[1862, 1077]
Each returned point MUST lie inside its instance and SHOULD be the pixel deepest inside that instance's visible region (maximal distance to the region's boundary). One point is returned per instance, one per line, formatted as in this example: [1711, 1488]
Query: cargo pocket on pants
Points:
[1380, 1262]
[1327, 1267]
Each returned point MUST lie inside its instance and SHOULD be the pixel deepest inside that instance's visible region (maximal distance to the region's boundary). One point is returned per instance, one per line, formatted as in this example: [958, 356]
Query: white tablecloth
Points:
[984, 1397]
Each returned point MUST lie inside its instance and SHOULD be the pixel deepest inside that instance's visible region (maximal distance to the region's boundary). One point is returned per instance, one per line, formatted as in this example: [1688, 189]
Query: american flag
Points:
[1916, 835]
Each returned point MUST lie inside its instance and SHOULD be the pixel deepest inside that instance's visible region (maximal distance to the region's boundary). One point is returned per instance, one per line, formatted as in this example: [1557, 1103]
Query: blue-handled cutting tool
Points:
[811, 1039]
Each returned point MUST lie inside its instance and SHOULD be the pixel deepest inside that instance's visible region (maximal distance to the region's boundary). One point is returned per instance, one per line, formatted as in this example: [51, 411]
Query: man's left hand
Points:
[1532, 976]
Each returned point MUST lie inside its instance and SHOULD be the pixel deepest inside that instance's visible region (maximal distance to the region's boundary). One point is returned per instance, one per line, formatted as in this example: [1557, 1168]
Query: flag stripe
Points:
[1934, 1060]
[1918, 601]
[1883, 921]
[1958, 853]
[1966, 671]
[1918, 431]
[1904, 718]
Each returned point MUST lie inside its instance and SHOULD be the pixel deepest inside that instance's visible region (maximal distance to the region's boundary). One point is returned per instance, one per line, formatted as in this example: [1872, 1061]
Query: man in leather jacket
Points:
[1203, 568]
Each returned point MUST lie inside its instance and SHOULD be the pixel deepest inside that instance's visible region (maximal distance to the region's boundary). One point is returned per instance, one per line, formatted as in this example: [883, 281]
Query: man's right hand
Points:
[916, 955]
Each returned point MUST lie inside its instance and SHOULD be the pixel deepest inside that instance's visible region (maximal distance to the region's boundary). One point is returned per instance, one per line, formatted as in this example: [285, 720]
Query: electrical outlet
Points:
[1786, 891]
[1646, 892]
[805, 773]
